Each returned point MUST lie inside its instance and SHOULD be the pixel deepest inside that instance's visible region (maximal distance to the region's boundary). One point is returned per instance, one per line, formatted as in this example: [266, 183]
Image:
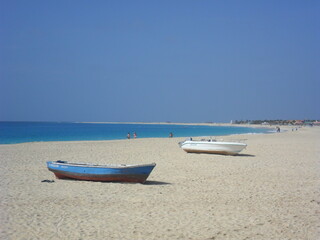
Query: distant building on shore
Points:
[316, 123]
[279, 122]
[298, 122]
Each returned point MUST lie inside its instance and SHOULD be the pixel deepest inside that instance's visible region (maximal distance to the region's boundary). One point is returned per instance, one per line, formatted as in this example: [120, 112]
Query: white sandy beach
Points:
[270, 191]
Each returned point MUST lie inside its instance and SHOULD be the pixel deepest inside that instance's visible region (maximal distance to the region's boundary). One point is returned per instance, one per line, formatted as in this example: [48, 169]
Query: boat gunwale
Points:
[213, 142]
[89, 165]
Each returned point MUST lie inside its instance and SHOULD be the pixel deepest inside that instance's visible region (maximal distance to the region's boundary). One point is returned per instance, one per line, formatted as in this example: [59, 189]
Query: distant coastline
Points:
[194, 124]
[182, 123]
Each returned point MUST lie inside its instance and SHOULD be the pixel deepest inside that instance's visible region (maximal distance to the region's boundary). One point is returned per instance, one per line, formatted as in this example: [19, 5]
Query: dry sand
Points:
[270, 191]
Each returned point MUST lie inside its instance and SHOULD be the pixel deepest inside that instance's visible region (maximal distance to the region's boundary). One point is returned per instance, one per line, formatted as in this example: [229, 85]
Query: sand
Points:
[270, 191]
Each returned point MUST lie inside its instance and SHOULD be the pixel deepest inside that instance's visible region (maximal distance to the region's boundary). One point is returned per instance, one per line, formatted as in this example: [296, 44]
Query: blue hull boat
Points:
[101, 173]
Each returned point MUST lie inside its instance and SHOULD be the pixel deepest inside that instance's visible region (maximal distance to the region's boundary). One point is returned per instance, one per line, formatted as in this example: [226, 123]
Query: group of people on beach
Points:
[135, 135]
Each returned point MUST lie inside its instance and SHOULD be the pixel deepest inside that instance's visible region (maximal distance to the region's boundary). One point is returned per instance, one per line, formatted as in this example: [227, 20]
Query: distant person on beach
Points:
[128, 135]
[135, 135]
[171, 135]
[278, 129]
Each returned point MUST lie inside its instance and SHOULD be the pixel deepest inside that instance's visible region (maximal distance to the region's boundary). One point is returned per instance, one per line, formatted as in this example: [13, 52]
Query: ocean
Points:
[20, 132]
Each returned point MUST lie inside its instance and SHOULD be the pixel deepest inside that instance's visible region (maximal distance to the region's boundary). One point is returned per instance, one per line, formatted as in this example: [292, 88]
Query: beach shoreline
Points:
[15, 133]
[269, 191]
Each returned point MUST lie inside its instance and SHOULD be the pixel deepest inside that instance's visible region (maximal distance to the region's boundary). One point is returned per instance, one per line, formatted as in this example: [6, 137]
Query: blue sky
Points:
[179, 61]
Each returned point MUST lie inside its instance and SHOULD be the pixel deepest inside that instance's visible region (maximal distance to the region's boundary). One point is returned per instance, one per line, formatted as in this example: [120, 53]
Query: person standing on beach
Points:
[171, 135]
[135, 135]
[128, 135]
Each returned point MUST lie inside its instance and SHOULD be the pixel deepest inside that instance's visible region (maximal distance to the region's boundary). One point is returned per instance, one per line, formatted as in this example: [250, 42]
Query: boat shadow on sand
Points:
[151, 183]
[244, 155]
[156, 183]
[228, 155]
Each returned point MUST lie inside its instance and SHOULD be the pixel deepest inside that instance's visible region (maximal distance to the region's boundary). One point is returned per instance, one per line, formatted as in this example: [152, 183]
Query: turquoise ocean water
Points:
[19, 132]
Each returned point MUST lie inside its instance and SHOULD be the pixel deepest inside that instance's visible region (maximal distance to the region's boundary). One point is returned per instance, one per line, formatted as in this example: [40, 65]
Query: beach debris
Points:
[48, 181]
[318, 202]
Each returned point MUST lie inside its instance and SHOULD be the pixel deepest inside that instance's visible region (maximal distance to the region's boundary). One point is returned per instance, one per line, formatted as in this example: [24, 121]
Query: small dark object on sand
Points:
[48, 181]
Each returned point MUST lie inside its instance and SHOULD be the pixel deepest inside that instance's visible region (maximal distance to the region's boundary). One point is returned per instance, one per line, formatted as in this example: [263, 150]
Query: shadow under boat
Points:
[156, 183]
[224, 154]
[151, 183]
[244, 155]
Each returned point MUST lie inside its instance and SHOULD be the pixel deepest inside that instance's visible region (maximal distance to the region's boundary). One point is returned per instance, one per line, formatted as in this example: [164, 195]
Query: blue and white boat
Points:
[101, 173]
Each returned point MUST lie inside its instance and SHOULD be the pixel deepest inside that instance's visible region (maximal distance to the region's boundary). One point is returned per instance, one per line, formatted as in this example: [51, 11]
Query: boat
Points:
[101, 173]
[212, 146]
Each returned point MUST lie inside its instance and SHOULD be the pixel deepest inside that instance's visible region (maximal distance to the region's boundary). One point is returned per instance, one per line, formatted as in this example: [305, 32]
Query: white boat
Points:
[212, 146]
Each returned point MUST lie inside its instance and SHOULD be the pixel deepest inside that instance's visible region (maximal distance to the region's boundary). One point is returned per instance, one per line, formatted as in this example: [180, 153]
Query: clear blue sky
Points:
[166, 60]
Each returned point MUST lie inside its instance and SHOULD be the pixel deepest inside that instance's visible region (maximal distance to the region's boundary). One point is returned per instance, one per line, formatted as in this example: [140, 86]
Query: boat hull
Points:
[101, 173]
[225, 148]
